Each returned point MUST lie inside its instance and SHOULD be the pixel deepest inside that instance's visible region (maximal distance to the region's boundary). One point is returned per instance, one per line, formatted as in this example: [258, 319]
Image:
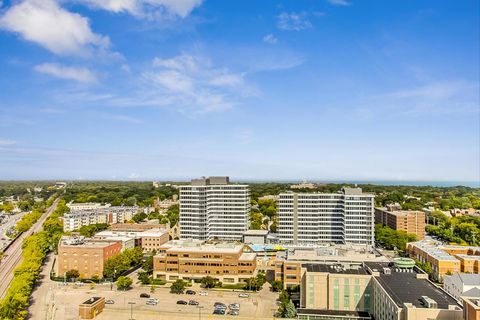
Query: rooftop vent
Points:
[428, 302]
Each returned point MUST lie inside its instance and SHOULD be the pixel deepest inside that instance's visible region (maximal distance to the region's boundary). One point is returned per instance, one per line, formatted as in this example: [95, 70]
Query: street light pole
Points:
[200, 312]
[131, 309]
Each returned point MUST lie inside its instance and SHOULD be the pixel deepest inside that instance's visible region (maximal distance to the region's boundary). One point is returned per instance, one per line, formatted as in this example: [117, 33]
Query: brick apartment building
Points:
[409, 221]
[86, 256]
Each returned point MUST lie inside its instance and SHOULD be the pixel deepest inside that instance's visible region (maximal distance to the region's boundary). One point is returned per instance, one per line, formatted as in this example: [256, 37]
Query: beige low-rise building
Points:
[153, 239]
[445, 259]
[190, 260]
[85, 255]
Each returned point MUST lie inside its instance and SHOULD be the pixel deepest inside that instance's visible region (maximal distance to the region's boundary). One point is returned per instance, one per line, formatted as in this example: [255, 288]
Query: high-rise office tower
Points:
[313, 218]
[213, 208]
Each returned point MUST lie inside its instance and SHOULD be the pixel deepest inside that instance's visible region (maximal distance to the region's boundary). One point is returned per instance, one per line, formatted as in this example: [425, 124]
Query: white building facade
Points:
[213, 208]
[315, 218]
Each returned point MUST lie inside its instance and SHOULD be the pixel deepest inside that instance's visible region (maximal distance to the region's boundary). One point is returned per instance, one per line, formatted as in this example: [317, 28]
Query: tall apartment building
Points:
[313, 218]
[408, 221]
[213, 208]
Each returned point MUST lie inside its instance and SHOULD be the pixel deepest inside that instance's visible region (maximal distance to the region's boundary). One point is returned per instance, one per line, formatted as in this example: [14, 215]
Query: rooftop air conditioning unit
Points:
[429, 302]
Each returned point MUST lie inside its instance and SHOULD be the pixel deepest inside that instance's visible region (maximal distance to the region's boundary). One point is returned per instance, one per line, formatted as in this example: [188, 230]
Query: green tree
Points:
[139, 217]
[72, 274]
[144, 278]
[277, 285]
[208, 282]
[178, 286]
[290, 311]
[123, 282]
[147, 265]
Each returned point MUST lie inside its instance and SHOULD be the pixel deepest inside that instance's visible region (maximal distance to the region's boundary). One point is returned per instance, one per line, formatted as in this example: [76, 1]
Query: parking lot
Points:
[260, 305]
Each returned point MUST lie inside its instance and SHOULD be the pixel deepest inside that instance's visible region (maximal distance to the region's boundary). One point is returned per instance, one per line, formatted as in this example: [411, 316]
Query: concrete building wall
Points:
[311, 218]
[230, 268]
[209, 210]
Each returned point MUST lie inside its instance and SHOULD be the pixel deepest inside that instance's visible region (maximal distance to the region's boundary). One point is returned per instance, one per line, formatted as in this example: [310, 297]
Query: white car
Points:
[203, 293]
[244, 295]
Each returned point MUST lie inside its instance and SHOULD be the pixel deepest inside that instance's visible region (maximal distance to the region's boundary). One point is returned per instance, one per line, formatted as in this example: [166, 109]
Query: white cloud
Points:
[151, 9]
[190, 81]
[293, 21]
[435, 98]
[72, 73]
[58, 30]
[270, 38]
[339, 2]
[6, 142]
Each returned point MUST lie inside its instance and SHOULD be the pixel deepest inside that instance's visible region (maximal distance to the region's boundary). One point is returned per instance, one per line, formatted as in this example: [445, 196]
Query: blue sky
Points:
[318, 89]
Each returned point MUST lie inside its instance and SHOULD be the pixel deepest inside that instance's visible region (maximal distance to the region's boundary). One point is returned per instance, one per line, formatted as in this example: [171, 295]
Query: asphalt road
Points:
[13, 255]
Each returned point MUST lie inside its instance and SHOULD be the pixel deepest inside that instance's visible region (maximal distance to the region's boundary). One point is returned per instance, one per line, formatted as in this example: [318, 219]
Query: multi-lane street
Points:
[13, 254]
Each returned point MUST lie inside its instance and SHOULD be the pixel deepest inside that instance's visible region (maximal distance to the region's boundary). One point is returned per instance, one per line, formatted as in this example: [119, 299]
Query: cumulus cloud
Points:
[270, 38]
[71, 73]
[192, 81]
[54, 28]
[146, 8]
[339, 2]
[6, 142]
[293, 21]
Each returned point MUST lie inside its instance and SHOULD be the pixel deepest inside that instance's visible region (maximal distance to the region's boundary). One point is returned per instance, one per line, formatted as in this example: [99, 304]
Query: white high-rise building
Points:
[314, 218]
[212, 208]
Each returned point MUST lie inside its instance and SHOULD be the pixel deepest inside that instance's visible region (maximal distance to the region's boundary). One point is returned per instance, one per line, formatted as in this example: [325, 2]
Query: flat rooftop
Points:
[255, 233]
[433, 249]
[200, 246]
[405, 287]
[336, 268]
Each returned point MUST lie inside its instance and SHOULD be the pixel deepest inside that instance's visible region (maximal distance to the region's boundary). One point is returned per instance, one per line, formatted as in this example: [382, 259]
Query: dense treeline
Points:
[14, 306]
[263, 212]
[461, 230]
[117, 193]
[393, 239]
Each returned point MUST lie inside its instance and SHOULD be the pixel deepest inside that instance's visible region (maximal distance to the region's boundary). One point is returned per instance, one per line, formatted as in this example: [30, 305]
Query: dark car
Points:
[144, 295]
[190, 292]
[193, 303]
[182, 302]
[219, 311]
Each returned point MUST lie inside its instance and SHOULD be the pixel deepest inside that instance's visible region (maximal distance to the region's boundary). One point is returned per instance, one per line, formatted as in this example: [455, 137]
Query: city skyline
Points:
[342, 90]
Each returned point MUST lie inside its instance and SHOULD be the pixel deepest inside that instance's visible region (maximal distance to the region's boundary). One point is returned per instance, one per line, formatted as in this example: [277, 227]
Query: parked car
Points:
[219, 305]
[193, 303]
[144, 295]
[190, 292]
[203, 293]
[79, 283]
[109, 302]
[233, 313]
[182, 302]
[234, 306]
[244, 295]
[151, 302]
[219, 311]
